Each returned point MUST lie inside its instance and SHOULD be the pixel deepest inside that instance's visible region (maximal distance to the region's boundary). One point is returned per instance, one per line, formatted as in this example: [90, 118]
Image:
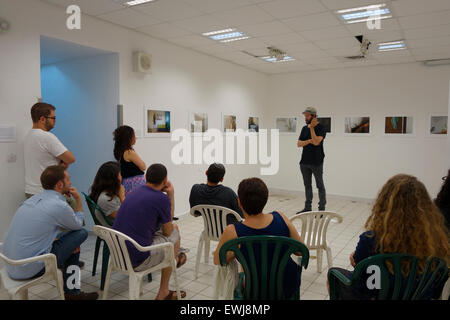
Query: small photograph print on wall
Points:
[354, 125]
[326, 122]
[229, 123]
[158, 121]
[253, 124]
[398, 125]
[198, 122]
[439, 124]
[287, 124]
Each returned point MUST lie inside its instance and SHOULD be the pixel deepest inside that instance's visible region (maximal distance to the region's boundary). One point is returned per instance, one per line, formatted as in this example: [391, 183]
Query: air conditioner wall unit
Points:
[142, 62]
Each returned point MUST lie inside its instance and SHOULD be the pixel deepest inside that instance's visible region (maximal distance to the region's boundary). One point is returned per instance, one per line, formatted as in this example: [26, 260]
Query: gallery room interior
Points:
[364, 82]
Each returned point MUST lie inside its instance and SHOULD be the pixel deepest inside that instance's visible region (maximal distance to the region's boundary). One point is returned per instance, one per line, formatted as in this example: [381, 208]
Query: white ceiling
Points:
[308, 30]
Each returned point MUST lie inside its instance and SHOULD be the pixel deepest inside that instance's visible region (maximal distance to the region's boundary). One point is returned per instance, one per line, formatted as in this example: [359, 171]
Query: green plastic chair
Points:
[105, 257]
[392, 286]
[271, 285]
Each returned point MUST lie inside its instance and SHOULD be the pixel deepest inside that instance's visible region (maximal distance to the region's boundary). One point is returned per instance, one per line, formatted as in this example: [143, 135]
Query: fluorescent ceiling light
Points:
[235, 39]
[274, 59]
[369, 19]
[217, 32]
[363, 14]
[226, 35]
[390, 46]
[137, 2]
[229, 35]
[375, 6]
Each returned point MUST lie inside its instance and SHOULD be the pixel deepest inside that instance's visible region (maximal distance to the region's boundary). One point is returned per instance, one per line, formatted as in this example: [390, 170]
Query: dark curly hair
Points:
[123, 137]
[106, 180]
[442, 200]
[253, 195]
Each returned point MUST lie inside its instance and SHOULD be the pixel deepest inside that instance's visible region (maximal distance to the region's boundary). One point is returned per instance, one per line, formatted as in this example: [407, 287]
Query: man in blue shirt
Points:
[35, 230]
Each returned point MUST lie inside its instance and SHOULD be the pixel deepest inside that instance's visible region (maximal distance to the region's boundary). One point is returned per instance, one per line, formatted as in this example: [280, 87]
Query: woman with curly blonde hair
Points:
[404, 219]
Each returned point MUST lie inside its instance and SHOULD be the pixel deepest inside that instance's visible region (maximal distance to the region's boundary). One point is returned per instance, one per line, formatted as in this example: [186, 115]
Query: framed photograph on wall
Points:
[198, 122]
[286, 125]
[398, 125]
[253, 124]
[357, 126]
[228, 123]
[438, 125]
[157, 123]
[326, 122]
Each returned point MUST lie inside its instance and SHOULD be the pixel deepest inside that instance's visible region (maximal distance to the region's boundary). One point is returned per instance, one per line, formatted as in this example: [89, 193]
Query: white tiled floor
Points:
[342, 239]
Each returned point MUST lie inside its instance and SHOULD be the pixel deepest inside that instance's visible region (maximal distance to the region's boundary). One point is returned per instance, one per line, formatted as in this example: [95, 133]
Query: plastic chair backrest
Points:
[435, 273]
[314, 227]
[116, 242]
[271, 285]
[92, 208]
[214, 219]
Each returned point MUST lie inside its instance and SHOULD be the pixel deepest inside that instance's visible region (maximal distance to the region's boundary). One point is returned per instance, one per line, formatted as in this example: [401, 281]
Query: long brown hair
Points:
[404, 219]
[123, 137]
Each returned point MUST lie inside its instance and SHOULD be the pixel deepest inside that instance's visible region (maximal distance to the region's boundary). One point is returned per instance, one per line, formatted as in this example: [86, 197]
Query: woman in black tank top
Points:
[132, 168]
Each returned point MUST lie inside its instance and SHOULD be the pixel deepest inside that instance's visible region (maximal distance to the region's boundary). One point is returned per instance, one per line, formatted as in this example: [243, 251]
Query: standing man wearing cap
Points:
[311, 140]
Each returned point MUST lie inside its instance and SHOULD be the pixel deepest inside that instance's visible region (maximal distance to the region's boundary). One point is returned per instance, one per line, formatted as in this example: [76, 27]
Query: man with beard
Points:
[311, 140]
[36, 230]
[42, 148]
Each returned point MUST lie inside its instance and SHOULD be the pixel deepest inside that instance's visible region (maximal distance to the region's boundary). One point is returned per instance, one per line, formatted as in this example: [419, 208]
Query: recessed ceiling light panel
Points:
[226, 35]
[363, 14]
[391, 46]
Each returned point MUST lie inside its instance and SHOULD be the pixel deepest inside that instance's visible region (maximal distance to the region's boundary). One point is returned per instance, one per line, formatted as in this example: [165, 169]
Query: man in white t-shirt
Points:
[42, 148]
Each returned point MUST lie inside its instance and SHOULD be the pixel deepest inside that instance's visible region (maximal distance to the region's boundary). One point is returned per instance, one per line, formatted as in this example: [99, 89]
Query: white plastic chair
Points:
[120, 260]
[215, 221]
[18, 289]
[314, 232]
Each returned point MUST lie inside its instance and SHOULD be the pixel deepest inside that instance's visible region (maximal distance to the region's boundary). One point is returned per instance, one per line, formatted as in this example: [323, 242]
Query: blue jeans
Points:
[63, 249]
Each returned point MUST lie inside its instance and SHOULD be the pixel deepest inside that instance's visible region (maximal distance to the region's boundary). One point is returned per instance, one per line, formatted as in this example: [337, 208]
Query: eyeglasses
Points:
[54, 118]
[444, 178]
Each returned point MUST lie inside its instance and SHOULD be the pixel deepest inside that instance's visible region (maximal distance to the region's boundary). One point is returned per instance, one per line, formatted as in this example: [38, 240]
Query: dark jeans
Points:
[63, 249]
[307, 172]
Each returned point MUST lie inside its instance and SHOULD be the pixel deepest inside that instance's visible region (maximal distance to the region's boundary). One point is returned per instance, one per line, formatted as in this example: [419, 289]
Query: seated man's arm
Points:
[167, 229]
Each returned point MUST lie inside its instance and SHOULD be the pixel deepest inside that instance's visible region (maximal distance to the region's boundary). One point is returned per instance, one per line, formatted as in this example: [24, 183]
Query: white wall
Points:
[359, 166]
[181, 80]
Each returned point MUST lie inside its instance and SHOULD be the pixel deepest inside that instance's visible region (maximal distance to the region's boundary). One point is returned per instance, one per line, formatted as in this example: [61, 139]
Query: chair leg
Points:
[97, 249]
[59, 284]
[105, 260]
[207, 245]
[329, 258]
[319, 260]
[134, 287]
[106, 285]
[199, 254]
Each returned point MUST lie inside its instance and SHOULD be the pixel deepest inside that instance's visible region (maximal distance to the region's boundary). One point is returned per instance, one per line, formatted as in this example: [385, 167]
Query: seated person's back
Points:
[108, 192]
[140, 216]
[214, 193]
[414, 226]
[253, 195]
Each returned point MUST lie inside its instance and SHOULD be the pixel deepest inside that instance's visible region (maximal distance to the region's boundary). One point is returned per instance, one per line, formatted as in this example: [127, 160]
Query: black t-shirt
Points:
[129, 169]
[313, 155]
